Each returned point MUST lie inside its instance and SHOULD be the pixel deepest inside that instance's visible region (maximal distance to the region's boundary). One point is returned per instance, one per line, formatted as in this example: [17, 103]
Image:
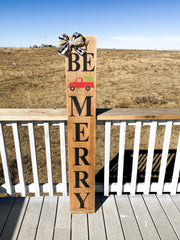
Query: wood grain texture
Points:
[13, 114]
[139, 114]
[82, 123]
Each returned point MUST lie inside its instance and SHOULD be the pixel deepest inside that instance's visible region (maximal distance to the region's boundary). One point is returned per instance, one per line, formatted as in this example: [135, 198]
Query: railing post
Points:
[122, 137]
[137, 138]
[19, 158]
[5, 162]
[34, 158]
[48, 158]
[63, 157]
[107, 156]
[152, 139]
[176, 170]
[167, 138]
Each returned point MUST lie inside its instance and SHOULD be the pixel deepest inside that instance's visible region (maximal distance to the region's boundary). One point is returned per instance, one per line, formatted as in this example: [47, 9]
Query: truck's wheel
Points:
[87, 88]
[72, 88]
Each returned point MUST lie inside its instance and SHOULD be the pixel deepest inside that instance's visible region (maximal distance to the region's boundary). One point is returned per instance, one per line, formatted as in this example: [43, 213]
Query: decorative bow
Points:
[78, 43]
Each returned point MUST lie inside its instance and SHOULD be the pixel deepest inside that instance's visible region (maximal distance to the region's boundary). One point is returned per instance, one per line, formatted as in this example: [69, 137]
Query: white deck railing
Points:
[119, 117]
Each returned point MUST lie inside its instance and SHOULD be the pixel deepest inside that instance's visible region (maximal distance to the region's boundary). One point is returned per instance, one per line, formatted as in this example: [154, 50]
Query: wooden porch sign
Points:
[81, 106]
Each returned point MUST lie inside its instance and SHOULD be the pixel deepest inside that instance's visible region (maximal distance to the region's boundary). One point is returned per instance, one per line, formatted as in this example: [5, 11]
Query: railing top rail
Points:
[33, 114]
[60, 114]
[140, 114]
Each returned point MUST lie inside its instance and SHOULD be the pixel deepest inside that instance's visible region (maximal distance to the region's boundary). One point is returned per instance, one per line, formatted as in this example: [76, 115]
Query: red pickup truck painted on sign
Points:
[80, 83]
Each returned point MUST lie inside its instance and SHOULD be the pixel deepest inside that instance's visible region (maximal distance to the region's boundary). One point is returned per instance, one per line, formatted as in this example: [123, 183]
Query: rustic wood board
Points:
[81, 108]
[33, 114]
[139, 114]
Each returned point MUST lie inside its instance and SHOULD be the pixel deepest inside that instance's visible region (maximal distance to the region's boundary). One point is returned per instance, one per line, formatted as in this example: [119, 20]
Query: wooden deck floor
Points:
[126, 217]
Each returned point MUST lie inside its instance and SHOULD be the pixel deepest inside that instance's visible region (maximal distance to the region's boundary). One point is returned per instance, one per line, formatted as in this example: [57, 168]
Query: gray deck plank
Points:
[116, 217]
[176, 199]
[30, 223]
[171, 211]
[96, 223]
[5, 208]
[63, 220]
[144, 220]
[46, 223]
[160, 219]
[15, 218]
[111, 218]
[79, 227]
[129, 223]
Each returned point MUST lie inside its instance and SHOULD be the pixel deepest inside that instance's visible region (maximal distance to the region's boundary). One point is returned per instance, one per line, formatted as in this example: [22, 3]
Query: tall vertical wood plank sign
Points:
[81, 105]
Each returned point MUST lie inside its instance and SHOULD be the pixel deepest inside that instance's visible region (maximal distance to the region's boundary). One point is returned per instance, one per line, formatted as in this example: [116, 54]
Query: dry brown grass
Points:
[125, 78]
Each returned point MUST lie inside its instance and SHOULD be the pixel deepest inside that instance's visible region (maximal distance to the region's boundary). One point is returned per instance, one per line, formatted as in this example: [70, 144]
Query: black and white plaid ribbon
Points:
[78, 43]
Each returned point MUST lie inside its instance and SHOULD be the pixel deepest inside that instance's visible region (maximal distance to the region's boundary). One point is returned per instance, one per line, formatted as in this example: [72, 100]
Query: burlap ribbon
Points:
[78, 43]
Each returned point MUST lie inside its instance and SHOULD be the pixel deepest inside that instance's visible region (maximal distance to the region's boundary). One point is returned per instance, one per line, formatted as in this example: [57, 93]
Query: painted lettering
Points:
[79, 108]
[79, 132]
[81, 201]
[87, 62]
[82, 179]
[82, 156]
[74, 62]
[74, 65]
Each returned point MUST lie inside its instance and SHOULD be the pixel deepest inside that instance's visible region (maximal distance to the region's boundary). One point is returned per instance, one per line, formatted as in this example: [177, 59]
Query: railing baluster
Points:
[19, 158]
[167, 138]
[63, 157]
[6, 171]
[135, 157]
[107, 157]
[48, 157]
[121, 158]
[152, 139]
[176, 171]
[34, 158]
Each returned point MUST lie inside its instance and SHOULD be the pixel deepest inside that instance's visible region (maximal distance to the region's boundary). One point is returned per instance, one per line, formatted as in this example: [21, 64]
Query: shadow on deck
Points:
[128, 159]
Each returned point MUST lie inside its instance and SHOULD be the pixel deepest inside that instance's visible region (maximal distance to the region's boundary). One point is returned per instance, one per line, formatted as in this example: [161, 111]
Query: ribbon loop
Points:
[78, 43]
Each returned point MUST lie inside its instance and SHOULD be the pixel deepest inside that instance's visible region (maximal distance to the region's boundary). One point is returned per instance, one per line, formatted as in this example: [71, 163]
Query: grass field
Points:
[35, 78]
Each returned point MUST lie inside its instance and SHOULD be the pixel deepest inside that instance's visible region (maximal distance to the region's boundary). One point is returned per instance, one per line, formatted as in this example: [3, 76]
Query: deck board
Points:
[46, 222]
[31, 219]
[129, 223]
[63, 220]
[160, 219]
[116, 217]
[96, 223]
[111, 218]
[15, 218]
[171, 211]
[5, 208]
[144, 220]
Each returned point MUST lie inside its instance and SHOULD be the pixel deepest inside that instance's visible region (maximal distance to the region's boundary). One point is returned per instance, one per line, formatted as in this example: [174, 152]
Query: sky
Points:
[123, 24]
